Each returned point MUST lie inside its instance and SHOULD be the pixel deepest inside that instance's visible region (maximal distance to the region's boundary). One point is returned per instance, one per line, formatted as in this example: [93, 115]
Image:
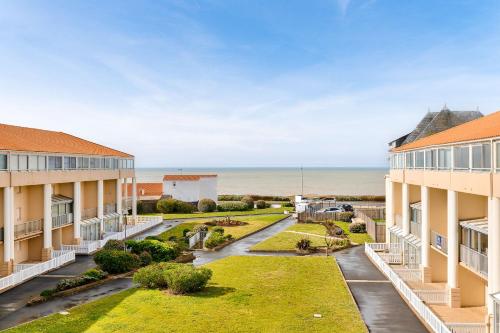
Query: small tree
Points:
[329, 242]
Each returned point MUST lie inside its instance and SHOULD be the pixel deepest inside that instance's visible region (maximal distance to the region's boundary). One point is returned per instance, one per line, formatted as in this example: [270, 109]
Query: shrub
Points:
[219, 230]
[304, 244]
[247, 200]
[95, 274]
[232, 206]
[261, 204]
[357, 227]
[200, 227]
[185, 278]
[66, 284]
[145, 258]
[152, 276]
[140, 207]
[174, 206]
[115, 261]
[215, 239]
[114, 244]
[229, 197]
[346, 216]
[207, 205]
[159, 251]
[48, 293]
[288, 204]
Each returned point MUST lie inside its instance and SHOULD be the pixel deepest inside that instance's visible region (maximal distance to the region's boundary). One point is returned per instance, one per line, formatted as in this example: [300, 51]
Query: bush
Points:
[207, 205]
[288, 204]
[152, 276]
[167, 206]
[220, 230]
[145, 258]
[215, 239]
[115, 261]
[95, 274]
[346, 216]
[232, 206]
[159, 251]
[247, 200]
[304, 244]
[48, 293]
[66, 284]
[200, 227]
[185, 278]
[114, 244]
[229, 197]
[155, 237]
[261, 204]
[357, 227]
[140, 207]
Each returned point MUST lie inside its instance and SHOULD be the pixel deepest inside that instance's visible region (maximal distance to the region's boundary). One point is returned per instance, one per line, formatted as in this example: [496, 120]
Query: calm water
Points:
[284, 181]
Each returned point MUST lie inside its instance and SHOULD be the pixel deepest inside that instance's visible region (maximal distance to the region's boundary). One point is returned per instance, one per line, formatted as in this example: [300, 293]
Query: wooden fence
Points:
[375, 229]
[376, 213]
[316, 216]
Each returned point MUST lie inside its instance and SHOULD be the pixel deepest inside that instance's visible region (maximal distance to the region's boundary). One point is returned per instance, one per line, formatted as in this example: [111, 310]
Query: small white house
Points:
[190, 188]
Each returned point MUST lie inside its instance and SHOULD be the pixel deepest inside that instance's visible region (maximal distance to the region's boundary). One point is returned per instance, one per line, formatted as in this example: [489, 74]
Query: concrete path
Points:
[382, 308]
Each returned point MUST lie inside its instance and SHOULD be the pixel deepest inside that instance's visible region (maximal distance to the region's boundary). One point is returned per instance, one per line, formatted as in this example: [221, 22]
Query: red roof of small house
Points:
[186, 177]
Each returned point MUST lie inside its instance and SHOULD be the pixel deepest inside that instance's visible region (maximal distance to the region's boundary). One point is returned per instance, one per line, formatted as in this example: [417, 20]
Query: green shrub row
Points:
[235, 197]
[232, 206]
[159, 251]
[168, 206]
[378, 198]
[89, 276]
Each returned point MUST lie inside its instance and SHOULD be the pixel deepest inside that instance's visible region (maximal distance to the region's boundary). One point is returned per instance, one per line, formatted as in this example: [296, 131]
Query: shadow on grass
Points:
[213, 291]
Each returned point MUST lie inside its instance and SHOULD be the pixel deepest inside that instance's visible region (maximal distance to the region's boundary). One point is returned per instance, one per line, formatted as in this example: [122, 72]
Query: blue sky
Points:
[246, 83]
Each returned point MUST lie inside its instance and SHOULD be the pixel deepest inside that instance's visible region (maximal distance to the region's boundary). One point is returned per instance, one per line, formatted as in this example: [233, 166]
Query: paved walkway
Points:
[382, 308]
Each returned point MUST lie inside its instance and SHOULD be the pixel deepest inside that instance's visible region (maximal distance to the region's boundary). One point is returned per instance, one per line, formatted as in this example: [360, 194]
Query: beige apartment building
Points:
[57, 192]
[443, 225]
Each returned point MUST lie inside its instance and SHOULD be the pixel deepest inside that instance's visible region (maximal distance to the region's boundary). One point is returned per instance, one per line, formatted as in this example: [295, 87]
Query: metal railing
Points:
[434, 296]
[430, 318]
[439, 241]
[24, 272]
[28, 228]
[476, 261]
[416, 229]
[62, 220]
[468, 327]
[109, 208]
[89, 213]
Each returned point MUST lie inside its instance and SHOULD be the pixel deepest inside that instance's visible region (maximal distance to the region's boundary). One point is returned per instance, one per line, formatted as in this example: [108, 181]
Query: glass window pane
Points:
[41, 162]
[14, 162]
[461, 157]
[33, 162]
[23, 162]
[3, 162]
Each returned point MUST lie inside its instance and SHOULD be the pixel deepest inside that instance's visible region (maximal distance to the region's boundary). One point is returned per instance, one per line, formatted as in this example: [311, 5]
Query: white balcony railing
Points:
[23, 272]
[439, 241]
[62, 220]
[438, 296]
[28, 228]
[416, 229]
[476, 261]
[89, 213]
[409, 274]
[468, 327]
[109, 208]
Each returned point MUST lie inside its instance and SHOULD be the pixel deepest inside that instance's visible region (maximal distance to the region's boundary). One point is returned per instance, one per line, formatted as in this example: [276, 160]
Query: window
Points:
[431, 159]
[481, 156]
[42, 162]
[55, 162]
[498, 155]
[69, 162]
[3, 162]
[409, 160]
[14, 162]
[444, 158]
[419, 159]
[461, 157]
[23, 162]
[32, 162]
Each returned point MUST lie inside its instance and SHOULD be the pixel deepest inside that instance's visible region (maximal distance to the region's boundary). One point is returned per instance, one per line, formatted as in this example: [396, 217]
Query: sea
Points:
[283, 181]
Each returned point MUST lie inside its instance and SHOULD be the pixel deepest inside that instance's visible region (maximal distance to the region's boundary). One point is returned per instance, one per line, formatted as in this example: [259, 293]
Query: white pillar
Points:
[125, 184]
[77, 209]
[47, 216]
[452, 239]
[406, 209]
[134, 198]
[100, 202]
[8, 223]
[493, 249]
[389, 208]
[426, 226]
[119, 199]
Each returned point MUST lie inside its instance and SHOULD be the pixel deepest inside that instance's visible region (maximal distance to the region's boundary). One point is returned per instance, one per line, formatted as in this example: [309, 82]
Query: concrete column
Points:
[100, 202]
[119, 197]
[389, 208]
[493, 249]
[125, 184]
[8, 224]
[425, 234]
[77, 211]
[453, 249]
[47, 222]
[406, 208]
[134, 198]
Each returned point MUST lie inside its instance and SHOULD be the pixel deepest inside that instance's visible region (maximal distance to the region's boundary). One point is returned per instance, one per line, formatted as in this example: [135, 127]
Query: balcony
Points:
[474, 260]
[415, 229]
[28, 228]
[439, 242]
[109, 208]
[62, 220]
[398, 220]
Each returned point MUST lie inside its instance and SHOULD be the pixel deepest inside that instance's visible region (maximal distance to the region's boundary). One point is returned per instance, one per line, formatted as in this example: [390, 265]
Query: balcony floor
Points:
[475, 314]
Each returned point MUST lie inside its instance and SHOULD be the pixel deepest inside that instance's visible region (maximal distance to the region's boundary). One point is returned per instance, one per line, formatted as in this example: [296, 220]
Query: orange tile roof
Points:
[19, 138]
[146, 189]
[186, 177]
[482, 128]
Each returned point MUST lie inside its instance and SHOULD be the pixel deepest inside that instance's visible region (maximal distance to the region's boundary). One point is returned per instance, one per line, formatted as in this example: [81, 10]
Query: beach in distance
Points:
[283, 181]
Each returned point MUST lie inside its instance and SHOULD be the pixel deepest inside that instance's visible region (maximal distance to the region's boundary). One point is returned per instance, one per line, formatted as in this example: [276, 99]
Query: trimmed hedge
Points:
[247, 200]
[186, 278]
[357, 228]
[232, 206]
[207, 206]
[237, 197]
[152, 276]
[167, 206]
[159, 251]
[116, 261]
[346, 216]
[260, 204]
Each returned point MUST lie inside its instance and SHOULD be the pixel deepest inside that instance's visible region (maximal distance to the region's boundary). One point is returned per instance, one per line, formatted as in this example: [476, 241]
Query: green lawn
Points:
[254, 223]
[286, 241]
[246, 294]
[355, 238]
[238, 213]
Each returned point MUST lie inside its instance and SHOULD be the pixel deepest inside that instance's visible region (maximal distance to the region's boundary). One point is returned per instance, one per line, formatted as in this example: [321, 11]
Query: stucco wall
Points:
[438, 264]
[110, 191]
[471, 288]
[472, 206]
[438, 210]
[89, 194]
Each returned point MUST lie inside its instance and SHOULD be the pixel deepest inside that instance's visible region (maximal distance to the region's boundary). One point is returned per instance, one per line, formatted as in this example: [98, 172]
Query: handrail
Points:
[61, 220]
[478, 262]
[28, 228]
